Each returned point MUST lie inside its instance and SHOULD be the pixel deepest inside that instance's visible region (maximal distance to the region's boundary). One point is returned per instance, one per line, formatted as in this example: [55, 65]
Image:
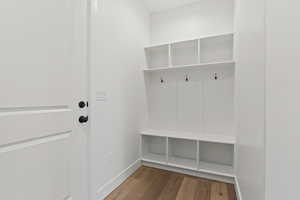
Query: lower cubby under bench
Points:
[189, 153]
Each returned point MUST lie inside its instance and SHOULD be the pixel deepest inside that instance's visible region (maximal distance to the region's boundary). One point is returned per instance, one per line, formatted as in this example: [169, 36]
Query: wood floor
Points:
[155, 184]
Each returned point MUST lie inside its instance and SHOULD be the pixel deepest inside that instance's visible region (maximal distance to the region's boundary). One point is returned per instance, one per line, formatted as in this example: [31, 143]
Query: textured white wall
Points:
[282, 100]
[250, 91]
[119, 31]
[191, 21]
[159, 5]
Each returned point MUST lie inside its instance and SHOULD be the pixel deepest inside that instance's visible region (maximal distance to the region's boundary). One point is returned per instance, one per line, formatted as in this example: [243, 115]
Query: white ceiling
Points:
[160, 5]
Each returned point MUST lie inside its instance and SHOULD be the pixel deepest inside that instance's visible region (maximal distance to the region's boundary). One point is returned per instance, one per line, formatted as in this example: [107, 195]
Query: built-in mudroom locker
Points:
[190, 98]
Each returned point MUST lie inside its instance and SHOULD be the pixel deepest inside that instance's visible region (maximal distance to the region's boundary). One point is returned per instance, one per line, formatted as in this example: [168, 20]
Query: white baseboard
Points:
[190, 172]
[105, 190]
[237, 189]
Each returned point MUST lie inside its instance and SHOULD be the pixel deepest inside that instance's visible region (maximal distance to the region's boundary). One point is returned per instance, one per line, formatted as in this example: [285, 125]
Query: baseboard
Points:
[237, 189]
[190, 172]
[105, 190]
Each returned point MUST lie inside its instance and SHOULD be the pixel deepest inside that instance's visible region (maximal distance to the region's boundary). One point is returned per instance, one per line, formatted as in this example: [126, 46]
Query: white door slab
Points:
[42, 78]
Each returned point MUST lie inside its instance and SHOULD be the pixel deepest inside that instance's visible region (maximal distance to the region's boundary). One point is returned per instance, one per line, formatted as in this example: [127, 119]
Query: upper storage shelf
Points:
[184, 53]
[157, 56]
[202, 52]
[216, 48]
[230, 63]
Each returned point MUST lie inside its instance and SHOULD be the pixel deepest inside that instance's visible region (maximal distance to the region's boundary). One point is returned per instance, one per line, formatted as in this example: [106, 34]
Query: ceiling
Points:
[160, 5]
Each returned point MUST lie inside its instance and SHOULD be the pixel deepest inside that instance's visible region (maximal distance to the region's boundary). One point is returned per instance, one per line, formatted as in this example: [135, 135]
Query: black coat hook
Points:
[216, 76]
[161, 80]
[187, 78]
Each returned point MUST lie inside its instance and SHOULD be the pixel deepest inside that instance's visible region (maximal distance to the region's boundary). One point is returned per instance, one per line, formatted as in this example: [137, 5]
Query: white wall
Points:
[282, 100]
[159, 5]
[119, 31]
[250, 92]
[191, 21]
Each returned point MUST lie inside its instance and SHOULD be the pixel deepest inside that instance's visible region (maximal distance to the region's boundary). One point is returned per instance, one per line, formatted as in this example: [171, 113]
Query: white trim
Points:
[237, 189]
[226, 63]
[115, 182]
[224, 139]
[180, 41]
[190, 172]
[34, 141]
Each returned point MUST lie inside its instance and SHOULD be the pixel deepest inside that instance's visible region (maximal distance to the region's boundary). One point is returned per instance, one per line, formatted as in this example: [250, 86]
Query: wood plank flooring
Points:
[155, 184]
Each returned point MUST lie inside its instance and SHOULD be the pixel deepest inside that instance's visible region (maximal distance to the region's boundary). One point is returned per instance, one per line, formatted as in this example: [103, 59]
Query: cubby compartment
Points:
[154, 149]
[216, 48]
[217, 157]
[185, 53]
[157, 56]
[182, 153]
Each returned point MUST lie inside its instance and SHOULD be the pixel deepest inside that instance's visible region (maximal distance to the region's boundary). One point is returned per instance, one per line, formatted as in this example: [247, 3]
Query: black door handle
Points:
[83, 119]
[81, 104]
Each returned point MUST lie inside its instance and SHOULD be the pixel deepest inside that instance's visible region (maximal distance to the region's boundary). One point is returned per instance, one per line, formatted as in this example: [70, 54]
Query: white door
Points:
[42, 79]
